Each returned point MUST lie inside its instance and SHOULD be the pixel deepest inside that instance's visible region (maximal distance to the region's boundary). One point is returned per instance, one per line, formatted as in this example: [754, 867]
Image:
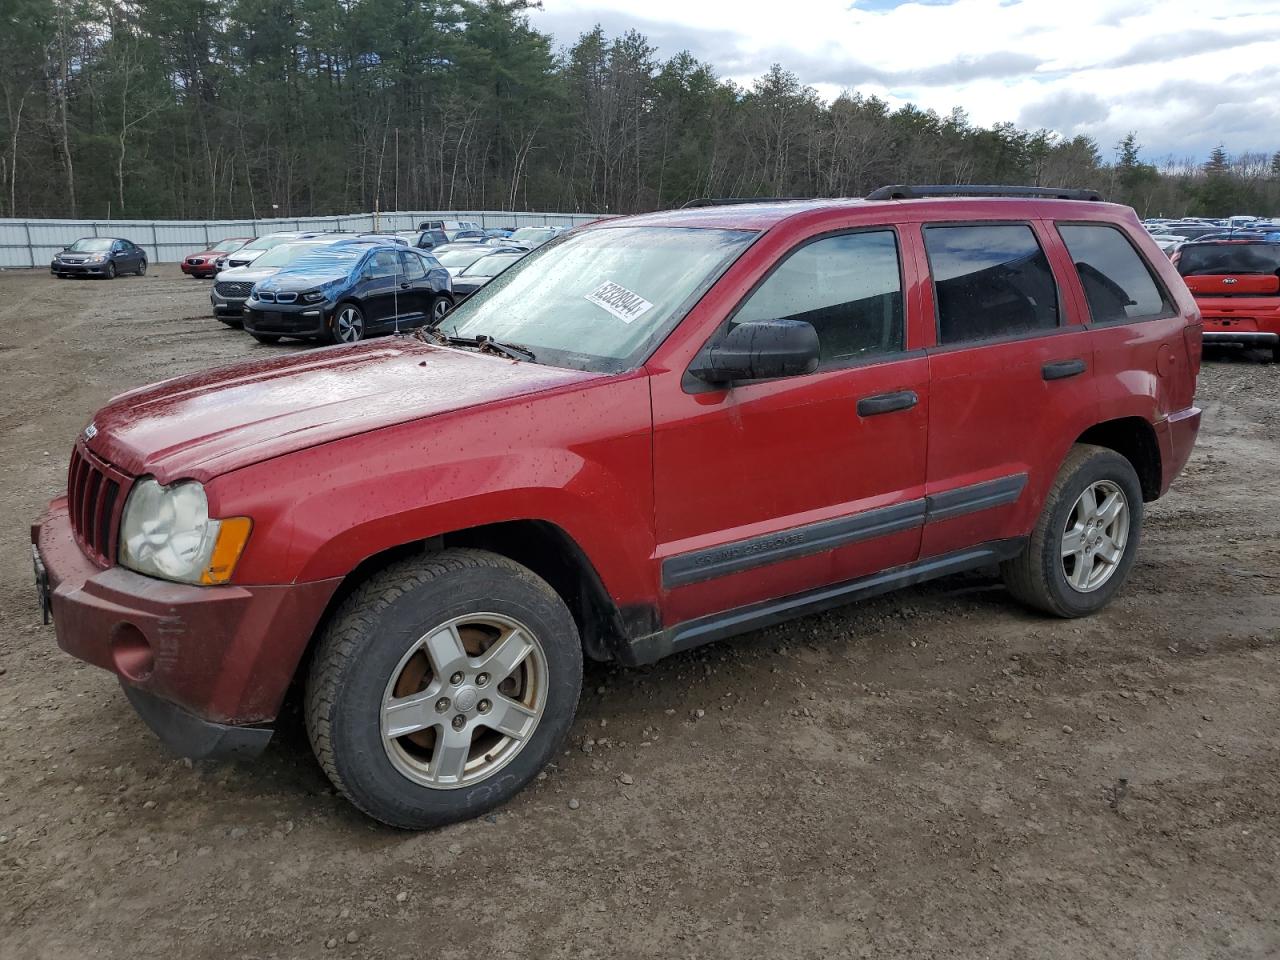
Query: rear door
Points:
[414, 298]
[1011, 380]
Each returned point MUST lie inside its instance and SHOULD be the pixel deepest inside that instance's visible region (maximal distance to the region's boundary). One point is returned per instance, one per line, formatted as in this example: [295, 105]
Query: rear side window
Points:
[848, 286]
[989, 281]
[1116, 280]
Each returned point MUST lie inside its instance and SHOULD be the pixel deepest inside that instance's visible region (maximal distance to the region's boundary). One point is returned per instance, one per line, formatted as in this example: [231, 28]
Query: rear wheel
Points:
[440, 308]
[265, 338]
[442, 686]
[347, 325]
[142, 268]
[1084, 542]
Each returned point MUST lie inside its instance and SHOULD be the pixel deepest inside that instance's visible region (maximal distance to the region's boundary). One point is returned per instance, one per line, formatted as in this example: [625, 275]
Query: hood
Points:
[299, 280]
[249, 274]
[209, 423]
[245, 256]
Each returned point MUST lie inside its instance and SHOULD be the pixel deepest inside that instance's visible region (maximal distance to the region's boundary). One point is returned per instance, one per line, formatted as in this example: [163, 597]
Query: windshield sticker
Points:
[619, 301]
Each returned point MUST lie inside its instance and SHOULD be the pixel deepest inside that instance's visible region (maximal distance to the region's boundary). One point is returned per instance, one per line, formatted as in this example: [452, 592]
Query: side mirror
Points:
[760, 350]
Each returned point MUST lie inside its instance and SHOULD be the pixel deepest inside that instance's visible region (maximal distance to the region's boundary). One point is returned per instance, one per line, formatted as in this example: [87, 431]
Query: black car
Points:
[99, 257]
[348, 291]
[424, 239]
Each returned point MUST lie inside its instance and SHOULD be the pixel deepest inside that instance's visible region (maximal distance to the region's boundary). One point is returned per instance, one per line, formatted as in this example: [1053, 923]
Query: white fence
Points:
[32, 243]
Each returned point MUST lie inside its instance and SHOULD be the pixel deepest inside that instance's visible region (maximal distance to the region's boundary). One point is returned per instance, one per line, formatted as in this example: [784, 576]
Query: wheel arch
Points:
[1134, 439]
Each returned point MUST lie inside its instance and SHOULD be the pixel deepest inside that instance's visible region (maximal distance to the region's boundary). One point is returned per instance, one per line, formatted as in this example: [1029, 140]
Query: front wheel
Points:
[1085, 539]
[442, 686]
[347, 325]
[110, 271]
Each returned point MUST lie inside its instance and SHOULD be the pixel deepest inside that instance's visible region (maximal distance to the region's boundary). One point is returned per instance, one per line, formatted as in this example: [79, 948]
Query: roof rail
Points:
[727, 201]
[905, 191]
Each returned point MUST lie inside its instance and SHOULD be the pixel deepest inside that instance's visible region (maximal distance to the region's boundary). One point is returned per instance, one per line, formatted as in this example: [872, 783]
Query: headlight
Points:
[313, 296]
[166, 532]
[97, 258]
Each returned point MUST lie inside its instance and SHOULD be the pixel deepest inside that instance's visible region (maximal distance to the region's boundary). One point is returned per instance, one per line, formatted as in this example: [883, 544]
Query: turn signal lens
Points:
[233, 534]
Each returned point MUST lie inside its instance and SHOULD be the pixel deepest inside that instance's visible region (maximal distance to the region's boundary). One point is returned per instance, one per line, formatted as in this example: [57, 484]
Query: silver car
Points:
[256, 248]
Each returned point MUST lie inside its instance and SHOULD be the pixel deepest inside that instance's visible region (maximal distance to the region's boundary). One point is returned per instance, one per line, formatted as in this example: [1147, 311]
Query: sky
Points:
[1184, 74]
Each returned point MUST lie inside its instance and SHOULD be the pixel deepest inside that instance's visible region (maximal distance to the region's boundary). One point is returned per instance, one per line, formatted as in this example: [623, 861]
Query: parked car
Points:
[456, 258]
[347, 292]
[231, 288]
[663, 431]
[451, 228]
[104, 257]
[1167, 242]
[204, 264]
[1236, 284]
[256, 248]
[1188, 231]
[470, 279]
[424, 239]
[535, 236]
[499, 233]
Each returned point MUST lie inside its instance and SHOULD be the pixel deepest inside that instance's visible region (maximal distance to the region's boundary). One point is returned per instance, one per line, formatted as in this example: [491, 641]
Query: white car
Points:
[1168, 242]
[252, 250]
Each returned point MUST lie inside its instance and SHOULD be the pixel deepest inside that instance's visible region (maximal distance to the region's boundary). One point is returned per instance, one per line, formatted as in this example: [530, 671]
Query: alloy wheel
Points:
[439, 309]
[1095, 536]
[464, 700]
[350, 325]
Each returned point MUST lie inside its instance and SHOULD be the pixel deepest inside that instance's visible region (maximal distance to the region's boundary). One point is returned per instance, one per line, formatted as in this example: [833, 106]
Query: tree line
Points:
[260, 108]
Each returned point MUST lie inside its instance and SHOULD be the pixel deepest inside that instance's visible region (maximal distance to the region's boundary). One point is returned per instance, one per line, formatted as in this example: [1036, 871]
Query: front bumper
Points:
[79, 269]
[287, 319]
[205, 667]
[227, 306]
[201, 270]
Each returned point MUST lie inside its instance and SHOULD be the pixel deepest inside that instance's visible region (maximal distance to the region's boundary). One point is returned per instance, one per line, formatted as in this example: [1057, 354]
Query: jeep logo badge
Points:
[90, 432]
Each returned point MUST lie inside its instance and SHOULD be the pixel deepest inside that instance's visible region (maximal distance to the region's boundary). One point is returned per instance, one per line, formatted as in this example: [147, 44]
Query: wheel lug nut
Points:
[456, 678]
[442, 704]
[484, 706]
[459, 722]
[482, 679]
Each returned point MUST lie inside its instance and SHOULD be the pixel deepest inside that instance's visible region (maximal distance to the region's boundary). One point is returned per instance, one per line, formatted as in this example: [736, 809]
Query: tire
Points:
[142, 268]
[348, 324]
[366, 658]
[232, 322]
[111, 271]
[1039, 576]
[266, 338]
[440, 307]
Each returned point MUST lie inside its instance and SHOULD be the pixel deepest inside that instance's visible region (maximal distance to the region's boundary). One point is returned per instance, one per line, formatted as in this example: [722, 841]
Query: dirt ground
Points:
[936, 773]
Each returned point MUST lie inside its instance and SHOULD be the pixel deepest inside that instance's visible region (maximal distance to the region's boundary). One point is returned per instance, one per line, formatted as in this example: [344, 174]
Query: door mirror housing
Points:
[760, 350]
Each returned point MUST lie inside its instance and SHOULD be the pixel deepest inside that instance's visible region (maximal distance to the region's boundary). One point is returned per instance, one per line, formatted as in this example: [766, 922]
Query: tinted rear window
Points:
[1220, 258]
[1116, 280]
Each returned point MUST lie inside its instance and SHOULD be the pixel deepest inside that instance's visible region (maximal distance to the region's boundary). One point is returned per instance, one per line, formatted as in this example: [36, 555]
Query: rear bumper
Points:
[194, 660]
[1243, 321]
[1244, 338]
[1177, 438]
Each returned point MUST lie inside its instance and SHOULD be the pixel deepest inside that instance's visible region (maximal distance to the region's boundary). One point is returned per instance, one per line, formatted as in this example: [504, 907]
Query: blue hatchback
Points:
[348, 291]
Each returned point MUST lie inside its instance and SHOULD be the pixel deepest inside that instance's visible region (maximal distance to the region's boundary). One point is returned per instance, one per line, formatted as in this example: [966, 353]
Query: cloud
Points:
[1067, 112]
[1163, 49]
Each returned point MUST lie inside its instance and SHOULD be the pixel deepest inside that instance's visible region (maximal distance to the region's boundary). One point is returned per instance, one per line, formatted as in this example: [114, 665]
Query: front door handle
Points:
[1061, 369]
[405, 286]
[887, 403]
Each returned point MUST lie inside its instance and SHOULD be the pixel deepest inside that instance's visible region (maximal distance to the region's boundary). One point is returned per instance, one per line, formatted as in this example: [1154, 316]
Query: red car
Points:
[1236, 284]
[205, 264]
[653, 433]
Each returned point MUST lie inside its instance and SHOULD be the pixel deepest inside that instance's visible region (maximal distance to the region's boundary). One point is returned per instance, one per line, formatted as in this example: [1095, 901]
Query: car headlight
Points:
[167, 532]
[313, 296]
[97, 258]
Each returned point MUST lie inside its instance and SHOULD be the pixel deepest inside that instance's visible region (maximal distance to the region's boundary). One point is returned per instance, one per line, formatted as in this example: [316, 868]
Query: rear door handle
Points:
[887, 403]
[1061, 369]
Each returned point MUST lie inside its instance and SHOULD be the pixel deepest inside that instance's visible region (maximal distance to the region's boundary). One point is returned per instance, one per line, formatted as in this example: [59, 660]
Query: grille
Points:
[286, 297]
[95, 498]
[266, 296]
[194, 261]
[233, 289]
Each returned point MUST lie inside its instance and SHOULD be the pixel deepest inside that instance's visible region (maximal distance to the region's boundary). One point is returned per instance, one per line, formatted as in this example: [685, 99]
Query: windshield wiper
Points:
[480, 342]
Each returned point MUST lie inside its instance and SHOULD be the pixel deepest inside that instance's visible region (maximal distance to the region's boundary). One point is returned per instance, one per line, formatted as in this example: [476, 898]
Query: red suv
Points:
[1236, 284]
[651, 433]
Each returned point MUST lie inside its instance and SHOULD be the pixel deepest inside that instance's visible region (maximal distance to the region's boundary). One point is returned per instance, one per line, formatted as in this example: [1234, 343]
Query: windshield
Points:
[533, 233]
[1219, 258]
[492, 265]
[599, 300]
[266, 243]
[91, 245]
[461, 258]
[323, 258]
[284, 253]
[227, 246]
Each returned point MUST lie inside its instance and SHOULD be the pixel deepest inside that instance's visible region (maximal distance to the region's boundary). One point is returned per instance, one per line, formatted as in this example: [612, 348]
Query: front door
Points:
[769, 488]
[378, 289]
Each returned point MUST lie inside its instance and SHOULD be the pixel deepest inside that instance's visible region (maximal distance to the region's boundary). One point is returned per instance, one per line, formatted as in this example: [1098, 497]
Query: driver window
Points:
[989, 281]
[849, 287]
[384, 264]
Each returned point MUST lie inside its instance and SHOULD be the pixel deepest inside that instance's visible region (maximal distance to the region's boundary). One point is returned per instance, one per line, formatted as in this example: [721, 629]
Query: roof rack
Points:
[905, 191]
[727, 201]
